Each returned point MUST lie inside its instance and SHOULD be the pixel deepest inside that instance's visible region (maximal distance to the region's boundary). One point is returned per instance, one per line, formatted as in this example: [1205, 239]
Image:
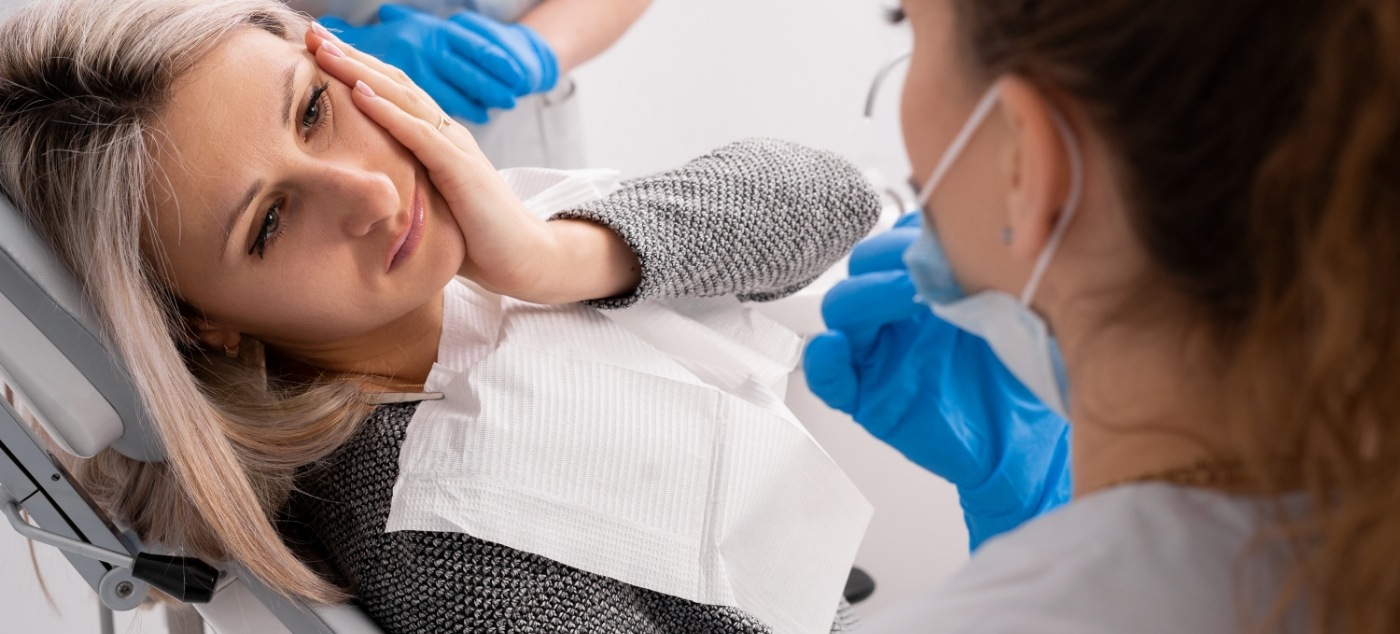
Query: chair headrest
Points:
[54, 355]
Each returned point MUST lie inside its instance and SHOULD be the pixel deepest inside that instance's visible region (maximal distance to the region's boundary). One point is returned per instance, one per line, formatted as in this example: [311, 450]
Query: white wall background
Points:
[689, 77]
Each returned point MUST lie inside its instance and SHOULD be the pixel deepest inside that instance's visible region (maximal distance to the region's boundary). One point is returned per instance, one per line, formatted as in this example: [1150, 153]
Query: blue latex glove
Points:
[462, 71]
[529, 51]
[936, 393]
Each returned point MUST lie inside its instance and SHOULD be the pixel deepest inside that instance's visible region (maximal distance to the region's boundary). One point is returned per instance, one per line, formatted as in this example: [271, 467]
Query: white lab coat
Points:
[543, 130]
[1145, 558]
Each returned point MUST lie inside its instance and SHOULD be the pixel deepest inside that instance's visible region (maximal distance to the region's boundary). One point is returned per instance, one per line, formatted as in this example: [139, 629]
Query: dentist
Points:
[1199, 200]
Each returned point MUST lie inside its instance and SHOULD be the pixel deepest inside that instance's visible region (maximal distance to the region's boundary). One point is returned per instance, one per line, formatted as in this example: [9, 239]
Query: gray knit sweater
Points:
[758, 219]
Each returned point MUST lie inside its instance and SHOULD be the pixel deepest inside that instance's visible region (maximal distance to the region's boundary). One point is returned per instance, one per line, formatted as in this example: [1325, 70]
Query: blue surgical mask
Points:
[1016, 334]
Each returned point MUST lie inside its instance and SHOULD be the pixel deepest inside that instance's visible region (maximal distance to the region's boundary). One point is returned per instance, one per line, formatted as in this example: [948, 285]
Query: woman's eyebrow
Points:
[289, 96]
[242, 207]
[288, 77]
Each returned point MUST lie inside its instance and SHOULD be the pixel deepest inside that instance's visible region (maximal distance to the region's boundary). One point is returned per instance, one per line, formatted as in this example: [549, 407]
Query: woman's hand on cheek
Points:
[509, 250]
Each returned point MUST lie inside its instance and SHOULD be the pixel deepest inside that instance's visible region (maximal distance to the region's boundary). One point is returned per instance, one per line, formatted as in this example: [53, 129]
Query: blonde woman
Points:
[224, 194]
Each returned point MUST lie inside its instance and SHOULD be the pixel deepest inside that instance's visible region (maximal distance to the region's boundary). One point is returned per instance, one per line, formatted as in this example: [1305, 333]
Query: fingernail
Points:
[331, 48]
[364, 88]
[321, 31]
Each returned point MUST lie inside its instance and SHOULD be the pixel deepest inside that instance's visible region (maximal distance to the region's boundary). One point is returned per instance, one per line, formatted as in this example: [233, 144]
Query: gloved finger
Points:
[390, 13]
[884, 251]
[521, 43]
[862, 305]
[453, 102]
[481, 25]
[830, 375]
[459, 106]
[870, 300]
[910, 353]
[911, 219]
[473, 111]
[488, 56]
[471, 82]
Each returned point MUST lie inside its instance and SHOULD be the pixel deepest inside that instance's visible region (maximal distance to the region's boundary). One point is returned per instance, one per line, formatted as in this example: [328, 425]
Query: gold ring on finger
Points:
[443, 121]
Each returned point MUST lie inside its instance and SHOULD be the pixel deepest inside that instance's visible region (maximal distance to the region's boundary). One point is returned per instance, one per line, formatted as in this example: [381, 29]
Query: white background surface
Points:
[689, 77]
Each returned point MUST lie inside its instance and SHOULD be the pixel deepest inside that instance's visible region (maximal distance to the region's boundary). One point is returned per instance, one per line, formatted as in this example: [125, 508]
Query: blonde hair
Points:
[81, 85]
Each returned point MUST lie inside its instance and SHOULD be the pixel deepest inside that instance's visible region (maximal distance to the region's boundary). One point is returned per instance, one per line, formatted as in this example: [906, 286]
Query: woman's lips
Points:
[412, 235]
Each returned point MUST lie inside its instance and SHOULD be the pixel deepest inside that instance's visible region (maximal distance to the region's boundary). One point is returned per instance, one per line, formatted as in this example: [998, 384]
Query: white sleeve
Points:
[1147, 559]
[987, 597]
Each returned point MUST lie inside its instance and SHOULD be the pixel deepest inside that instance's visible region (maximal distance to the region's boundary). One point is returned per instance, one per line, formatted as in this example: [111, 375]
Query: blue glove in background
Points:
[462, 71]
[522, 44]
[936, 393]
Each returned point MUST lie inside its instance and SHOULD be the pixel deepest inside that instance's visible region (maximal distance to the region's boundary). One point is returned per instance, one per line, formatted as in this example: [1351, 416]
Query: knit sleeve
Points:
[759, 219]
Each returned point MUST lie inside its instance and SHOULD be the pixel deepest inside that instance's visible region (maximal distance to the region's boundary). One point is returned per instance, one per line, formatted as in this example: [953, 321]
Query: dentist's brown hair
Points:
[1258, 142]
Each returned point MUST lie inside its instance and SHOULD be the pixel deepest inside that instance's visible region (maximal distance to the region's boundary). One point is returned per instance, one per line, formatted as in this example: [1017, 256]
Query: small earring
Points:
[1006, 236]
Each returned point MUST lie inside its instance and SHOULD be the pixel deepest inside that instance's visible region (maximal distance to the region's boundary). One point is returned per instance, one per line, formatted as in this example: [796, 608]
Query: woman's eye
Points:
[315, 107]
[272, 221]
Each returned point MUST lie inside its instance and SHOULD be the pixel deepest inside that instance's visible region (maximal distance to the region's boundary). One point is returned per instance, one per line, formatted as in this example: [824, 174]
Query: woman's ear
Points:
[1038, 166]
[215, 336]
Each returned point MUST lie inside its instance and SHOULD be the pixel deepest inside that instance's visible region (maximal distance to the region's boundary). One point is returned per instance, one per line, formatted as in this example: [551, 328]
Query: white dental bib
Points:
[649, 445]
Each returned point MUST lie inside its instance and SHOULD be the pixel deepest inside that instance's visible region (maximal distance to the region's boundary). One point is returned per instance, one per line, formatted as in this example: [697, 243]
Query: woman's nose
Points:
[366, 200]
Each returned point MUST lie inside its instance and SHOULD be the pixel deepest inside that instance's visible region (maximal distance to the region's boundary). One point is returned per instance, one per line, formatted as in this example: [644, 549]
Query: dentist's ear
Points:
[1038, 166]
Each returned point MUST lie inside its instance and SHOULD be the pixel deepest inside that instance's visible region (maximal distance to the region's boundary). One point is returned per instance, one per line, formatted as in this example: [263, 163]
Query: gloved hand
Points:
[522, 44]
[936, 393]
[465, 73]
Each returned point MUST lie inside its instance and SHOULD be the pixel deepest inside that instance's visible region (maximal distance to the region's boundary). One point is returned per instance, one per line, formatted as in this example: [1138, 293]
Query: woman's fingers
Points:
[332, 58]
[459, 170]
[318, 34]
[454, 102]
[504, 240]
[350, 66]
[507, 246]
[435, 150]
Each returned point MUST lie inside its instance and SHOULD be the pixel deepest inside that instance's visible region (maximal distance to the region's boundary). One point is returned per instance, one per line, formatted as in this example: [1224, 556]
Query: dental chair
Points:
[53, 358]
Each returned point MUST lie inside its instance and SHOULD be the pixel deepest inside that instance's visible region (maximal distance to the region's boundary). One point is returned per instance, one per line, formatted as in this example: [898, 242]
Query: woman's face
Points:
[968, 210]
[285, 213]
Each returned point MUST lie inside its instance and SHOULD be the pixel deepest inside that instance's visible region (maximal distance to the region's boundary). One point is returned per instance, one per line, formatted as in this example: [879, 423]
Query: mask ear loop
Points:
[984, 107]
[1076, 191]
